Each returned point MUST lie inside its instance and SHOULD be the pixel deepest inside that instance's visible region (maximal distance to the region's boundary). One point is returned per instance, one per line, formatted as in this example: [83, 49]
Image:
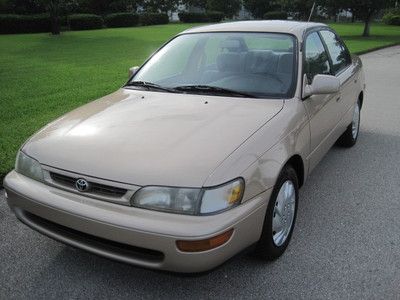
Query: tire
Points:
[272, 244]
[349, 137]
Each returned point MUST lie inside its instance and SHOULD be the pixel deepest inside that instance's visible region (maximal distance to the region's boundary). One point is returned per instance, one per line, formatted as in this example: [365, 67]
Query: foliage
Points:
[229, 7]
[259, 7]
[155, 6]
[392, 17]
[215, 16]
[24, 23]
[22, 7]
[121, 20]
[124, 5]
[300, 8]
[363, 9]
[153, 18]
[189, 17]
[85, 21]
[202, 4]
[193, 17]
[275, 15]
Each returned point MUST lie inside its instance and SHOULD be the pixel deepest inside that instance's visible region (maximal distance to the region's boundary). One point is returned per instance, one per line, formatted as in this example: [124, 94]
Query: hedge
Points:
[392, 18]
[192, 17]
[121, 20]
[24, 23]
[215, 16]
[85, 21]
[275, 15]
[153, 18]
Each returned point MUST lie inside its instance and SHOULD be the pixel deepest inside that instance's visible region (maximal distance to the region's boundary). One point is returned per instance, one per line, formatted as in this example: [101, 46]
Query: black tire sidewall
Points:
[266, 247]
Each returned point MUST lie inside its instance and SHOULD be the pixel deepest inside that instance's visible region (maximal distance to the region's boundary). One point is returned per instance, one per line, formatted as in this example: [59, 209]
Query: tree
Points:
[55, 8]
[23, 6]
[332, 7]
[202, 4]
[163, 6]
[258, 7]
[229, 7]
[300, 8]
[124, 5]
[363, 9]
[366, 9]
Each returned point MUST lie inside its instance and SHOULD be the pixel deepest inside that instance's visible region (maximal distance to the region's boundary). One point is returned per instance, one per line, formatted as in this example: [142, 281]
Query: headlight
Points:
[27, 166]
[190, 201]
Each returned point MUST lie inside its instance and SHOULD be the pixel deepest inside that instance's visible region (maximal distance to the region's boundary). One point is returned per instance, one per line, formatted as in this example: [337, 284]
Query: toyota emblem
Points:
[82, 185]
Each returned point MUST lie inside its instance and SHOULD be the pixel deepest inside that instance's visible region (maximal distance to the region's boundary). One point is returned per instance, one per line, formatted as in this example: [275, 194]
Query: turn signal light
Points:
[204, 245]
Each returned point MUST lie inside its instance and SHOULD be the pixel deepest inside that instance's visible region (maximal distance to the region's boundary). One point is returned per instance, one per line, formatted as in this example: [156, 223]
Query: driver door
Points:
[323, 110]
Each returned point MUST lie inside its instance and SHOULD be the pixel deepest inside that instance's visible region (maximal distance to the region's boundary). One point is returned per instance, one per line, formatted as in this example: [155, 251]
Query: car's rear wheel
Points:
[280, 216]
[349, 137]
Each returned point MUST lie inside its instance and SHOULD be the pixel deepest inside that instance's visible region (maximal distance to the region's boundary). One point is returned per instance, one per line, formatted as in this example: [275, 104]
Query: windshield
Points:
[254, 64]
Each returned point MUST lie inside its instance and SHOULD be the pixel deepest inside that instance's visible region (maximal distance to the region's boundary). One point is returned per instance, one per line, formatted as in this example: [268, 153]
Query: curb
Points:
[376, 49]
[1, 179]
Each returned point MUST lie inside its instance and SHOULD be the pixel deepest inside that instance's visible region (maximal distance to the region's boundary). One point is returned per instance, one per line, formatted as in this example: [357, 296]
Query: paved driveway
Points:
[346, 242]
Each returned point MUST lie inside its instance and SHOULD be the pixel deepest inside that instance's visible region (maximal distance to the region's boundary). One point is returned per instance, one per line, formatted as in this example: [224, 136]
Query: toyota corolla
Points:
[201, 154]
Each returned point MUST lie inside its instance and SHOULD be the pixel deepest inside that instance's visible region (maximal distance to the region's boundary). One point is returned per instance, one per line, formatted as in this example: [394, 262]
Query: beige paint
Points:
[134, 138]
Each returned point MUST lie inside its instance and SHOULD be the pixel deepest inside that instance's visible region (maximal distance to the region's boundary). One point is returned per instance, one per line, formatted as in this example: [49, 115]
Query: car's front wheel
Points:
[280, 216]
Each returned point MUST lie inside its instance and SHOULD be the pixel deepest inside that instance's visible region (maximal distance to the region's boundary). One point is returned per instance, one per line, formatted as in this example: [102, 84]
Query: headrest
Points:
[261, 61]
[285, 64]
[230, 62]
[231, 45]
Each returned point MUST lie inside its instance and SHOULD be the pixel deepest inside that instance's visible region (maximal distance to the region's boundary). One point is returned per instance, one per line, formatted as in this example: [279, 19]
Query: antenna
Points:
[312, 11]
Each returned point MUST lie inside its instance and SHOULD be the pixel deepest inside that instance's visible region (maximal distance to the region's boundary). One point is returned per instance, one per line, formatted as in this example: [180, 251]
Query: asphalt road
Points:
[346, 242]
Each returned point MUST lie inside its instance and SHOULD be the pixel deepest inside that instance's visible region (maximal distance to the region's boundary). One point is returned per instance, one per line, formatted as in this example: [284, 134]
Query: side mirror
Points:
[132, 71]
[322, 84]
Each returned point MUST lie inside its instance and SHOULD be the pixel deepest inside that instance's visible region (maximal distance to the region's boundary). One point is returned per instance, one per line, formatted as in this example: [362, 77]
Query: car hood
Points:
[150, 138]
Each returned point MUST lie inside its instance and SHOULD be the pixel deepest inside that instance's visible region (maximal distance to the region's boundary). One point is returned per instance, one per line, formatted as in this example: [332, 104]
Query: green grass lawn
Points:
[43, 77]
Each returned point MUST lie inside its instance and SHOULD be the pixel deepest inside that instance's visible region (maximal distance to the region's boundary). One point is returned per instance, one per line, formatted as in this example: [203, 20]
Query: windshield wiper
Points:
[150, 86]
[208, 89]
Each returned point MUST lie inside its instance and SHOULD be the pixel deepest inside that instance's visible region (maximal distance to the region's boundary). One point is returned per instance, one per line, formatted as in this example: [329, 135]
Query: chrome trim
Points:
[124, 200]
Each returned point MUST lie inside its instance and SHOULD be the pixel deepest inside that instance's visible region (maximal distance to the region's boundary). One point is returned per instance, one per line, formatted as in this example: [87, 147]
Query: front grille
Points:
[95, 188]
[106, 247]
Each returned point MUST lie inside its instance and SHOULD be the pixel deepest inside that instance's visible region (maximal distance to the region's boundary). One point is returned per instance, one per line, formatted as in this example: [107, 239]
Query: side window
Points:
[316, 58]
[337, 51]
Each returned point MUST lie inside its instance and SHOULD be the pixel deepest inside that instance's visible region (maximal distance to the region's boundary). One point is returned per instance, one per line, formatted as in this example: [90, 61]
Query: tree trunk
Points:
[353, 16]
[54, 17]
[367, 25]
[55, 25]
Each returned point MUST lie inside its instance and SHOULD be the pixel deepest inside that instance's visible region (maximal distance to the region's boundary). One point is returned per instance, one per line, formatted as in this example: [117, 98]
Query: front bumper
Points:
[132, 235]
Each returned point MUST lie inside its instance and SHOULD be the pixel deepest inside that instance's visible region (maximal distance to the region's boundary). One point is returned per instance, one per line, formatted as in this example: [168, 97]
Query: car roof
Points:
[293, 27]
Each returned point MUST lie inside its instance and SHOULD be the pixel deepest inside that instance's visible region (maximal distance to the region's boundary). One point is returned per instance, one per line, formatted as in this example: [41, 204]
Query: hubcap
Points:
[283, 214]
[356, 121]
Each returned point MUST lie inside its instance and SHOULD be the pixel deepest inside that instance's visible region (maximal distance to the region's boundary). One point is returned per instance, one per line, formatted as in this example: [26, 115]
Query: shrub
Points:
[394, 20]
[190, 17]
[392, 17]
[24, 23]
[153, 18]
[121, 20]
[275, 15]
[215, 16]
[85, 21]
